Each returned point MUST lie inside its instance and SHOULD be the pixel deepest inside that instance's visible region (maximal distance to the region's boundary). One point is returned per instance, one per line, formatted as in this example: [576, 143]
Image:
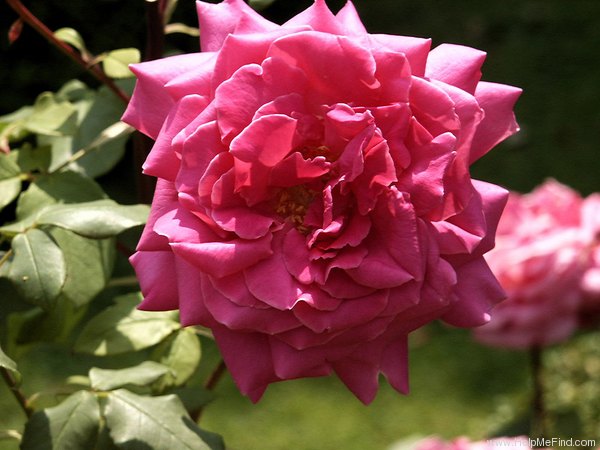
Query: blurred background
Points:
[547, 47]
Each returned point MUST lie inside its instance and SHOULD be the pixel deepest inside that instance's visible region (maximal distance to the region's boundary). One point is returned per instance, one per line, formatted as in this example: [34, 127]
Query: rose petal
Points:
[217, 21]
[457, 65]
[151, 103]
[498, 101]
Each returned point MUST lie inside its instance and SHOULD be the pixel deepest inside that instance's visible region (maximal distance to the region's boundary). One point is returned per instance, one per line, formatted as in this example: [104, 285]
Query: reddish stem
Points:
[18, 394]
[28, 17]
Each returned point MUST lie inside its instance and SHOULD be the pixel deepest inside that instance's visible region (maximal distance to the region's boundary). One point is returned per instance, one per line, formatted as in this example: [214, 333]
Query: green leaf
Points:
[51, 117]
[182, 353]
[97, 220]
[72, 425]
[182, 28]
[10, 179]
[116, 63]
[123, 328]
[10, 189]
[89, 263]
[260, 4]
[62, 187]
[159, 423]
[71, 37]
[141, 375]
[6, 362]
[38, 268]
[32, 159]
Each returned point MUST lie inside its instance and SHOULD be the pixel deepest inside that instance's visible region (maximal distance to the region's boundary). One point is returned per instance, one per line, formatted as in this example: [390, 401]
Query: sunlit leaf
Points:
[6, 362]
[182, 353]
[38, 268]
[182, 28]
[123, 328]
[62, 187]
[71, 37]
[72, 425]
[51, 117]
[116, 63]
[141, 375]
[97, 220]
[160, 423]
[10, 180]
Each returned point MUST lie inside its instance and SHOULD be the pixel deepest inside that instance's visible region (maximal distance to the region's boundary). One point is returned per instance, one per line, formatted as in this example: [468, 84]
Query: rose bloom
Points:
[546, 258]
[314, 203]
[463, 443]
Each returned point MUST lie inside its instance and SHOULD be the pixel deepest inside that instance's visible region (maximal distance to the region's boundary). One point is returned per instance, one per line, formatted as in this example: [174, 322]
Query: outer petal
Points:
[457, 65]
[162, 162]
[220, 20]
[497, 101]
[151, 103]
[158, 279]
[248, 358]
[477, 291]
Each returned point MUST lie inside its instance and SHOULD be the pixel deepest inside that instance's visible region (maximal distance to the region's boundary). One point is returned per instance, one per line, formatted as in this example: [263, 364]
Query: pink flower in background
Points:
[546, 258]
[463, 443]
[314, 203]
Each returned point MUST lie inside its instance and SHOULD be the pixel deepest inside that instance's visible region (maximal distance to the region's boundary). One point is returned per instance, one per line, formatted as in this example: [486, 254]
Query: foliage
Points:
[65, 280]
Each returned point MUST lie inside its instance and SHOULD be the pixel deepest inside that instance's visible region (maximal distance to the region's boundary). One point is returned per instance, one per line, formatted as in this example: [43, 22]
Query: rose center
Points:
[312, 151]
[292, 204]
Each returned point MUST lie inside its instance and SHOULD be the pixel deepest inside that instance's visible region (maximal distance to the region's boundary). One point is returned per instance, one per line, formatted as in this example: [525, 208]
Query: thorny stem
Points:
[18, 394]
[210, 385]
[29, 18]
[538, 421]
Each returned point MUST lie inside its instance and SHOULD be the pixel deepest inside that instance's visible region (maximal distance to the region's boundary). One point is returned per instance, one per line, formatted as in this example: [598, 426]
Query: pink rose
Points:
[463, 443]
[546, 246]
[314, 203]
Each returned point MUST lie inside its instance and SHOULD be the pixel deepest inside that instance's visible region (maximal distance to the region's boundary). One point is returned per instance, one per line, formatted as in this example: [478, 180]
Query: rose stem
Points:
[210, 385]
[538, 421]
[19, 396]
[28, 17]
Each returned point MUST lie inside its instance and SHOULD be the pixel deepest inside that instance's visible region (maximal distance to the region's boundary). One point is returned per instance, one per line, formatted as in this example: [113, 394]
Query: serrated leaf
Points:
[182, 353]
[6, 362]
[116, 63]
[62, 187]
[89, 263]
[37, 269]
[71, 37]
[141, 375]
[97, 220]
[123, 328]
[51, 117]
[160, 423]
[72, 425]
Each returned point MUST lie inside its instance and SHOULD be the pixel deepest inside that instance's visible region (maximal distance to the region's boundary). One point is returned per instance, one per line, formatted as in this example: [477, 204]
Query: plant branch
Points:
[210, 385]
[29, 18]
[155, 36]
[18, 394]
[538, 421]
[215, 376]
